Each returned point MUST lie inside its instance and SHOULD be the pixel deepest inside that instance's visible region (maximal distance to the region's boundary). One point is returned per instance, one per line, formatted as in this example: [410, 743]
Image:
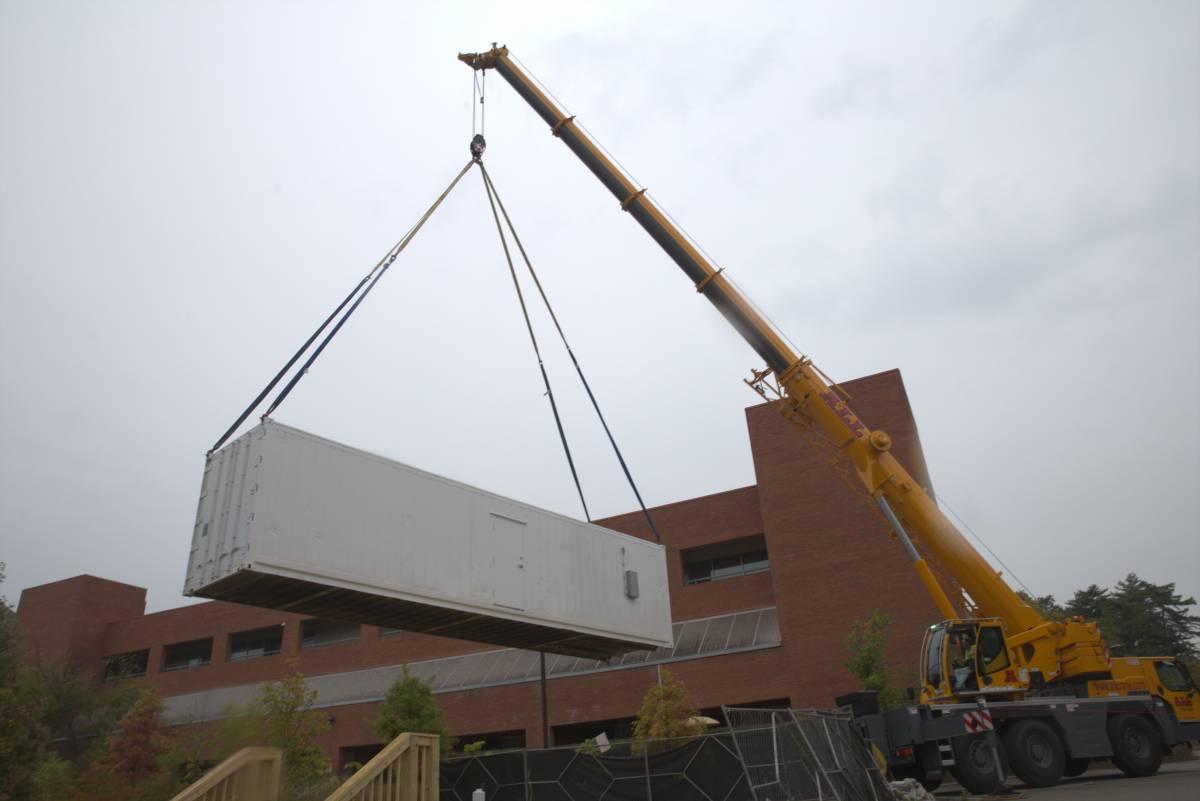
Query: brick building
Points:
[765, 583]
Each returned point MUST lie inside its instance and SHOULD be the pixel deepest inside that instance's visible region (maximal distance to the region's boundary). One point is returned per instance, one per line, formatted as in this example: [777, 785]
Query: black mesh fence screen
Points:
[765, 755]
[703, 768]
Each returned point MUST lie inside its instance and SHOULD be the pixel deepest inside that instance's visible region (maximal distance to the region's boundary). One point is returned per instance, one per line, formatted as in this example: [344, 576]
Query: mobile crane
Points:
[1051, 688]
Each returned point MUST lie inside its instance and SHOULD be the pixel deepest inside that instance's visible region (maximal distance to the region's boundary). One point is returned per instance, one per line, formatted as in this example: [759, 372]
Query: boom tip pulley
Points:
[485, 60]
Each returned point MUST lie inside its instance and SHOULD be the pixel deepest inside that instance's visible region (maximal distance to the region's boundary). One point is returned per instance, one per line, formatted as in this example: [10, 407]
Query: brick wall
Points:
[833, 560]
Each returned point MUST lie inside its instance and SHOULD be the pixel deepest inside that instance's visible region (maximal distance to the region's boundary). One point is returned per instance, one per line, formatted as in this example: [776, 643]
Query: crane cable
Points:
[492, 193]
[478, 86]
[372, 277]
[536, 350]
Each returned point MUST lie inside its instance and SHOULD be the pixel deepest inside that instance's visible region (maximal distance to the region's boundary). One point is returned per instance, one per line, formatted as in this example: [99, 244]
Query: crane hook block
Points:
[478, 145]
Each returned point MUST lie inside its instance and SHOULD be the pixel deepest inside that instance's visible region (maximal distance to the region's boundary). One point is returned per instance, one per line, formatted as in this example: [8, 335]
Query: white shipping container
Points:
[291, 521]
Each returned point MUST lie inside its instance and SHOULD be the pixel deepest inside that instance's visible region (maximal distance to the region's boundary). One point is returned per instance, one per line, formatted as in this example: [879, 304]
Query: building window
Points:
[572, 733]
[317, 632]
[255, 643]
[717, 713]
[493, 741]
[723, 560]
[184, 655]
[127, 665]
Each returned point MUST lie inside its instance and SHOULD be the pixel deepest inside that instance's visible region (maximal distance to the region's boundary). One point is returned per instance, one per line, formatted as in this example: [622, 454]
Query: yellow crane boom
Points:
[809, 399]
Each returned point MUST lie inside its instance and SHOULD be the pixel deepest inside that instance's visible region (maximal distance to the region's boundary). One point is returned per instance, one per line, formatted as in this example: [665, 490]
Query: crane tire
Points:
[975, 764]
[1137, 748]
[1076, 766]
[1035, 752]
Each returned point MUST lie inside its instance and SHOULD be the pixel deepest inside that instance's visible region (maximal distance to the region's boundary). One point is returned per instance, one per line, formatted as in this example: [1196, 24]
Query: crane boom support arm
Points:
[809, 400]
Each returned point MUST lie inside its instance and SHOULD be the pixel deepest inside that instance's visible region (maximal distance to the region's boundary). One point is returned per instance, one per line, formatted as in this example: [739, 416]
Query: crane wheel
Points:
[1137, 748]
[1035, 752]
[1076, 766]
[975, 764]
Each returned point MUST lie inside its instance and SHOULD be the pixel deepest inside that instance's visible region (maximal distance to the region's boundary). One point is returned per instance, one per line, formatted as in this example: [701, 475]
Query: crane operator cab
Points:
[966, 658]
[1164, 676]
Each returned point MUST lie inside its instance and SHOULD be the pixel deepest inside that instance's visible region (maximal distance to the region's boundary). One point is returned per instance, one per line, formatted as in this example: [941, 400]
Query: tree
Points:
[1088, 604]
[1140, 618]
[22, 735]
[73, 709]
[410, 707]
[289, 723]
[136, 748]
[131, 755]
[40, 700]
[54, 778]
[1146, 619]
[1045, 605]
[867, 660]
[666, 713]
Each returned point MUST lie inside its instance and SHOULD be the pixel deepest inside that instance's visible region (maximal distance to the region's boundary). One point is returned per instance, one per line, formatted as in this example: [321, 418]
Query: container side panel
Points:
[292, 505]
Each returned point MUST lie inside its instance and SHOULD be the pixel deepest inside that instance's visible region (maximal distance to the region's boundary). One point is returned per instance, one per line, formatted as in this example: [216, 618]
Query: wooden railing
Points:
[405, 770]
[251, 774]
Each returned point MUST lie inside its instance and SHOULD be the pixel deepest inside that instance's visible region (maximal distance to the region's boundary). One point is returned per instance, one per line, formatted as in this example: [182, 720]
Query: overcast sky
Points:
[1000, 199]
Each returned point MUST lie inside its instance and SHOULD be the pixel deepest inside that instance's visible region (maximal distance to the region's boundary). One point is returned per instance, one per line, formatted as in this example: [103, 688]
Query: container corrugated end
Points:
[321, 600]
[223, 511]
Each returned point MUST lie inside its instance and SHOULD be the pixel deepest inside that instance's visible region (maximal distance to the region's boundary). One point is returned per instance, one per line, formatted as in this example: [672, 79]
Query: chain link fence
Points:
[805, 755]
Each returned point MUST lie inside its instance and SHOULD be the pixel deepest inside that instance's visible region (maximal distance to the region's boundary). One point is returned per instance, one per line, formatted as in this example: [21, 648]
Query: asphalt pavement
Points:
[1175, 781]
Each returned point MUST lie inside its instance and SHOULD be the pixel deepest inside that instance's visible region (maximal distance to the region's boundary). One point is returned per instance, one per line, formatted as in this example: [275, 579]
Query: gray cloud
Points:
[1000, 200]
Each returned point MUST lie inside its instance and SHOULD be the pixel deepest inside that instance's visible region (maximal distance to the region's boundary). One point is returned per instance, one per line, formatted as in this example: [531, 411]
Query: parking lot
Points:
[1176, 781]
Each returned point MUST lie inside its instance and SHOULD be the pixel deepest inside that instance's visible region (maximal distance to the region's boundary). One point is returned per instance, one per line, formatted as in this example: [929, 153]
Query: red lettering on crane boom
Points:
[844, 413]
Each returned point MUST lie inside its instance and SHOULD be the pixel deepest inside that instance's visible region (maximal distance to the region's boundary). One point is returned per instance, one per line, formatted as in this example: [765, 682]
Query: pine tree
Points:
[666, 713]
[1140, 618]
[1089, 604]
[1045, 605]
[410, 707]
[1147, 619]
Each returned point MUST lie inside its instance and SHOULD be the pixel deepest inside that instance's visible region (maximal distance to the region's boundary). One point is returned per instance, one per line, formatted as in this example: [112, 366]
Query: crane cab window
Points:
[1172, 677]
[933, 658]
[961, 652]
[993, 655]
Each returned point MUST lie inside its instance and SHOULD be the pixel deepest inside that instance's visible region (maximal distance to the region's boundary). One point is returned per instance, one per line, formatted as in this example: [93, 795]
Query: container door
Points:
[508, 547]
